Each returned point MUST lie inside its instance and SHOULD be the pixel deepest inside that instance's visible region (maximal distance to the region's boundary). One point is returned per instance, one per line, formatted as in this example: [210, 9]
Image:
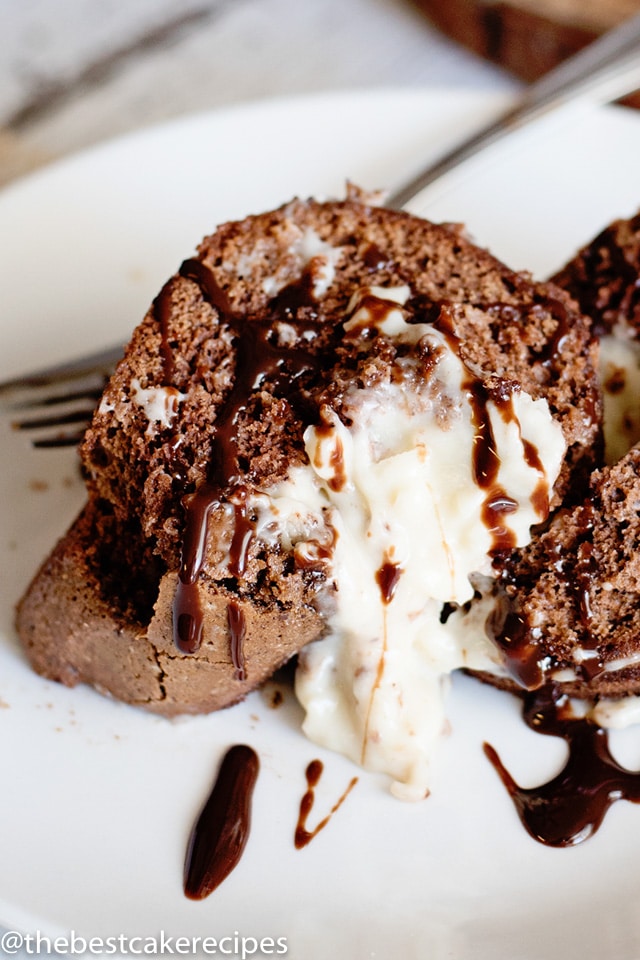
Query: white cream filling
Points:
[616, 714]
[159, 404]
[396, 488]
[312, 248]
[619, 374]
[310, 251]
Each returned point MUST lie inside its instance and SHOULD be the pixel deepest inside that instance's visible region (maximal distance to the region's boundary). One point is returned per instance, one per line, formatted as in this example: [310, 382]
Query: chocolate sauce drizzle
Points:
[509, 629]
[485, 459]
[540, 496]
[375, 259]
[313, 773]
[220, 834]
[162, 309]
[258, 357]
[338, 480]
[570, 807]
[585, 573]
[486, 465]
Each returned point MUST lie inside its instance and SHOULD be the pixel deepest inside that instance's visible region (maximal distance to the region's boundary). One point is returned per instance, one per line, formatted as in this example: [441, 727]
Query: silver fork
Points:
[55, 404]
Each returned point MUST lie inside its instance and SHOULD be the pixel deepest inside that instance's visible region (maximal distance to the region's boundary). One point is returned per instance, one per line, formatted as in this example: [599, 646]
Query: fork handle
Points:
[605, 70]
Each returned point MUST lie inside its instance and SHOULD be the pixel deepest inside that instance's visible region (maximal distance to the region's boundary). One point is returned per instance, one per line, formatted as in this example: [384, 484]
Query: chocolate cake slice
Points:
[193, 572]
[603, 278]
[568, 605]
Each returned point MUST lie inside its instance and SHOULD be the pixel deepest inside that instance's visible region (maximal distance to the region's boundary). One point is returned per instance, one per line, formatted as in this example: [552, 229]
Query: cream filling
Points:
[397, 490]
[159, 404]
[310, 251]
[619, 373]
[616, 714]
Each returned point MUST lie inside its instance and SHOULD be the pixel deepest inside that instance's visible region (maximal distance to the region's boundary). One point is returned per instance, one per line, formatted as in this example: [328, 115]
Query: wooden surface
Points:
[75, 72]
[528, 37]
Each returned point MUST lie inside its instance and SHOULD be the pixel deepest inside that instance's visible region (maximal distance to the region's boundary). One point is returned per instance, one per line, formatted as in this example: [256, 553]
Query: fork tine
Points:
[29, 397]
[59, 420]
[56, 399]
[54, 406]
[100, 363]
[56, 421]
[58, 440]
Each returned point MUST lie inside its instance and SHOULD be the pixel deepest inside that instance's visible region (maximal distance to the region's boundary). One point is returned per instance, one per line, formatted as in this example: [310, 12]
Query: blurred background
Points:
[75, 72]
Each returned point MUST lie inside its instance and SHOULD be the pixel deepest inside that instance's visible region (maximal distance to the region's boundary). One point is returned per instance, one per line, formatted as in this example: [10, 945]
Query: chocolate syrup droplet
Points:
[571, 807]
[387, 578]
[237, 632]
[302, 835]
[374, 258]
[220, 834]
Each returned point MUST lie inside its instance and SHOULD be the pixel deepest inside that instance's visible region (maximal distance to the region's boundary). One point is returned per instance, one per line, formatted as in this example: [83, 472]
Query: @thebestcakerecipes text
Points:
[14, 943]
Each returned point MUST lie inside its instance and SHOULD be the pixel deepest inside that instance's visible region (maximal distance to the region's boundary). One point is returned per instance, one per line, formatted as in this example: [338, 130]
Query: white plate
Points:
[97, 799]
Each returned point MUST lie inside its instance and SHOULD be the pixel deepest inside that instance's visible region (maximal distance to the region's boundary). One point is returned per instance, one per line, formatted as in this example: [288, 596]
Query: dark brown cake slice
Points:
[604, 278]
[162, 593]
[568, 603]
[568, 606]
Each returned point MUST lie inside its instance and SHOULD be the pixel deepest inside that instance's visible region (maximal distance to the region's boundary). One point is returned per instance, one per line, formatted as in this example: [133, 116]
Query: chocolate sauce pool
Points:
[570, 807]
[220, 833]
[560, 813]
